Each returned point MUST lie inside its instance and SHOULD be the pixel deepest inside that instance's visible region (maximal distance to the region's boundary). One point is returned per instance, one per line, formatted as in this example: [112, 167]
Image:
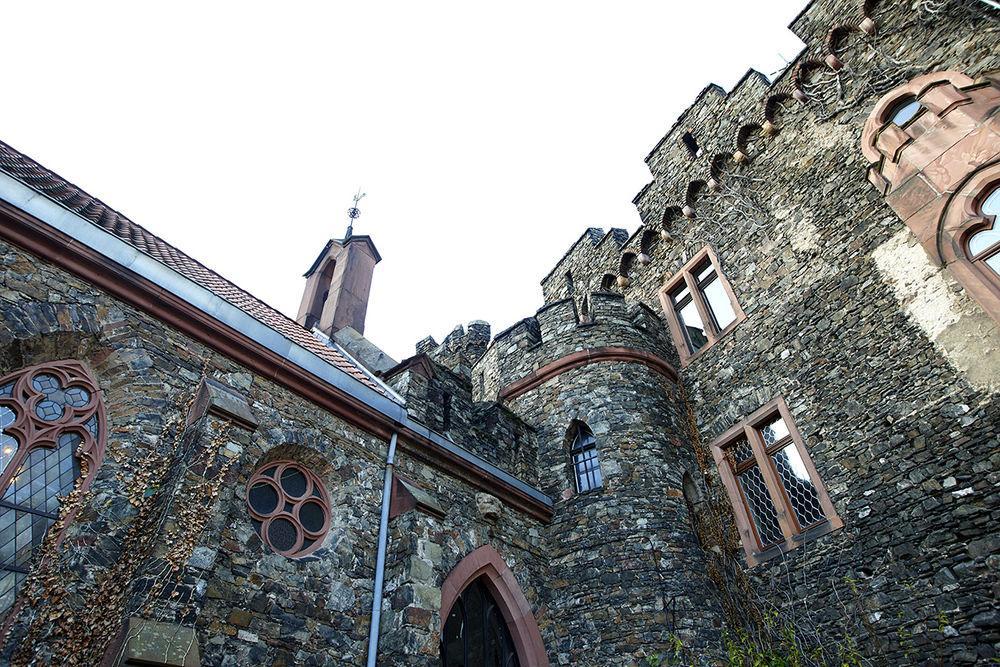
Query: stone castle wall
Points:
[885, 361]
[247, 604]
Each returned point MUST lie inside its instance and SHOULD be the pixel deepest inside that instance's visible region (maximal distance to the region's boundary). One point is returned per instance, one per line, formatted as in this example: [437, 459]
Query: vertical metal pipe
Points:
[383, 538]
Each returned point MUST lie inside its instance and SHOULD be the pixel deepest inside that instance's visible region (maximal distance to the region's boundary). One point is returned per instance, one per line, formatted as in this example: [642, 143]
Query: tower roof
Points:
[363, 238]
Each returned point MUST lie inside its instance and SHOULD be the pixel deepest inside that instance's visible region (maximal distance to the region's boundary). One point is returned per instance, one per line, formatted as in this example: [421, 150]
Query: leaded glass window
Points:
[51, 434]
[476, 633]
[586, 463]
[984, 245]
[289, 508]
[776, 493]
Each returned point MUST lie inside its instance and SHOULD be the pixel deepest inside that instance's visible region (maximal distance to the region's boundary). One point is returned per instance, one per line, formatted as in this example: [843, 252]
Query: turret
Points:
[614, 453]
[337, 286]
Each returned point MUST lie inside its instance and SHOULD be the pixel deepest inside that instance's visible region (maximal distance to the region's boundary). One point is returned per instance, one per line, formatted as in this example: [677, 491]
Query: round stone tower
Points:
[627, 576]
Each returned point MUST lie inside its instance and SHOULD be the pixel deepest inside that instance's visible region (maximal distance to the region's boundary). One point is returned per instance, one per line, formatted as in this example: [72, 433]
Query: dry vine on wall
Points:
[71, 617]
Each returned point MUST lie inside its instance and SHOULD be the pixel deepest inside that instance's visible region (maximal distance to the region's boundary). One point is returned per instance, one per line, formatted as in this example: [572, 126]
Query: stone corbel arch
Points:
[485, 562]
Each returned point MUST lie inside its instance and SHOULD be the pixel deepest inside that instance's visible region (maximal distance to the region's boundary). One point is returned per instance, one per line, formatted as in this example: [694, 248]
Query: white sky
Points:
[486, 136]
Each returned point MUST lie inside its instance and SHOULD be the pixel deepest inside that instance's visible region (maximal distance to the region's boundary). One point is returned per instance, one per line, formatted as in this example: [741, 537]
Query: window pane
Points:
[994, 262]
[588, 470]
[774, 432]
[741, 451]
[679, 295]
[692, 326]
[761, 509]
[719, 303]
[799, 487]
[905, 112]
[704, 271]
[991, 205]
[983, 240]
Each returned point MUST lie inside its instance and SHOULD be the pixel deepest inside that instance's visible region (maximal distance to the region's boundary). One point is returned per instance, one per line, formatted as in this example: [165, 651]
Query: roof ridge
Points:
[77, 200]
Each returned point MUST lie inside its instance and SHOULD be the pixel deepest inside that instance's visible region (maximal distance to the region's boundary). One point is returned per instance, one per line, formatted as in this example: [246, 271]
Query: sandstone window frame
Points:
[686, 277]
[936, 169]
[748, 431]
[53, 430]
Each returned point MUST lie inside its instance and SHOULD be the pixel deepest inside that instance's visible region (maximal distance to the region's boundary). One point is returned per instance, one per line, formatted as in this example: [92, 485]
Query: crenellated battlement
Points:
[723, 139]
[559, 329]
[460, 349]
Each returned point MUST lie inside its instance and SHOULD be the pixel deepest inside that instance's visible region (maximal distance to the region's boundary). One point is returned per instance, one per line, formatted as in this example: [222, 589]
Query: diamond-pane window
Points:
[765, 517]
[741, 451]
[798, 486]
[776, 493]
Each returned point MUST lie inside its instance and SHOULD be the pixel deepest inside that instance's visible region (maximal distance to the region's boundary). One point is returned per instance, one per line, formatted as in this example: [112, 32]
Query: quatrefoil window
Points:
[289, 508]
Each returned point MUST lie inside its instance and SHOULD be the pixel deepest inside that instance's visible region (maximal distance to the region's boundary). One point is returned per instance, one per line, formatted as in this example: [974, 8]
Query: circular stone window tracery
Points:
[289, 508]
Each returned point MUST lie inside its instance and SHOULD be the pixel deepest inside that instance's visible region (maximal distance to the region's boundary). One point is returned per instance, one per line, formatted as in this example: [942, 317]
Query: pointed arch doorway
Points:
[485, 617]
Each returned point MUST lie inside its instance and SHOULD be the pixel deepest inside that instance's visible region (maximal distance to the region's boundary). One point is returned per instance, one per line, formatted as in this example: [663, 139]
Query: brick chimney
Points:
[337, 286]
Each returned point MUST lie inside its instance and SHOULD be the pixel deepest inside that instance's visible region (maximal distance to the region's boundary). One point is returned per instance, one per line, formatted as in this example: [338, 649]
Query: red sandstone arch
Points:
[960, 219]
[485, 562]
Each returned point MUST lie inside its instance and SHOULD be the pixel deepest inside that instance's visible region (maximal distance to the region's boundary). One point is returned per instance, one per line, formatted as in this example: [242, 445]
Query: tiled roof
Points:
[50, 184]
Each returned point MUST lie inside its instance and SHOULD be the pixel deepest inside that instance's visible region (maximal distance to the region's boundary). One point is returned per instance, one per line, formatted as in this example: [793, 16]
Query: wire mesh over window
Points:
[586, 464]
[289, 508]
[798, 486]
[765, 517]
[775, 491]
[51, 421]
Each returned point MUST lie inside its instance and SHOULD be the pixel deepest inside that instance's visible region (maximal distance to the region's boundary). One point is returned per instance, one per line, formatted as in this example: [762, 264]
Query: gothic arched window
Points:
[984, 245]
[52, 430]
[586, 465]
[476, 633]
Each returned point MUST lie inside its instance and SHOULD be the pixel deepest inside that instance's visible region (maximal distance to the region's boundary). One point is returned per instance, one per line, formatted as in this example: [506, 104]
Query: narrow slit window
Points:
[446, 412]
[586, 463]
[691, 144]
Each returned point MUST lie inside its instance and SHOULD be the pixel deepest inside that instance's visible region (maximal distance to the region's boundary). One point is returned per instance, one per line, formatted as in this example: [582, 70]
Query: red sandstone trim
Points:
[41, 240]
[485, 562]
[585, 358]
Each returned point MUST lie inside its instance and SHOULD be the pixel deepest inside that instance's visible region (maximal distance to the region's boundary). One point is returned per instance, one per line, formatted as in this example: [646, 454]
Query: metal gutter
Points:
[87, 234]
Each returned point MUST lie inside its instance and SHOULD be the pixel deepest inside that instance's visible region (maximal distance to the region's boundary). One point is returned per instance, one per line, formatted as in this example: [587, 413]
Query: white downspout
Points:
[383, 538]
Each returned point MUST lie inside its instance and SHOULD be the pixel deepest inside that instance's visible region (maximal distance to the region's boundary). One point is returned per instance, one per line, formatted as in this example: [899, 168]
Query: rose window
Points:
[289, 508]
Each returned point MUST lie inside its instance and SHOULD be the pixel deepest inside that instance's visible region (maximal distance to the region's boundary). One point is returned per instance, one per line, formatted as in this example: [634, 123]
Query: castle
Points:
[760, 428]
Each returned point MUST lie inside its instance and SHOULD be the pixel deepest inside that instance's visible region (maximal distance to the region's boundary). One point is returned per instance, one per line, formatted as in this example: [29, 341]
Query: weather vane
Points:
[354, 213]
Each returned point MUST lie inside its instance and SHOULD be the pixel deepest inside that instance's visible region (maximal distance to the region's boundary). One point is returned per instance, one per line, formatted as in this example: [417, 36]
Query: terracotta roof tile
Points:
[50, 184]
